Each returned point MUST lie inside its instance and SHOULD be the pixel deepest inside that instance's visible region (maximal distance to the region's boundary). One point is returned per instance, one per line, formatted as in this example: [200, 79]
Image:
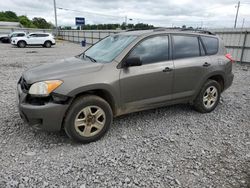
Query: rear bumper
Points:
[228, 81]
[48, 117]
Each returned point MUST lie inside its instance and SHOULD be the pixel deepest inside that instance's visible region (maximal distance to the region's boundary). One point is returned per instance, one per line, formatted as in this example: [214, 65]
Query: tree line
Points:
[36, 22]
[123, 26]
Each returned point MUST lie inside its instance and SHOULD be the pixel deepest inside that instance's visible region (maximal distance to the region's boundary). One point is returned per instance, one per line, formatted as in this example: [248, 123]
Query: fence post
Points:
[92, 35]
[78, 36]
[243, 46]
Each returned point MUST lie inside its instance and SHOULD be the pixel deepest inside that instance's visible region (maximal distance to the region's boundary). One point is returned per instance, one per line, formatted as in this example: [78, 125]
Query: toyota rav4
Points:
[124, 73]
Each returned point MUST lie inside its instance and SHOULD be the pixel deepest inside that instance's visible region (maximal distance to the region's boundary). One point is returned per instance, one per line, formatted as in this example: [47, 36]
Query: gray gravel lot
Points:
[167, 147]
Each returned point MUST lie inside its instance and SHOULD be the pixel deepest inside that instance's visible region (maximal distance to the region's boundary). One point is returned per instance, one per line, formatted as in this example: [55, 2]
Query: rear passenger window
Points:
[185, 46]
[211, 44]
[43, 35]
[152, 50]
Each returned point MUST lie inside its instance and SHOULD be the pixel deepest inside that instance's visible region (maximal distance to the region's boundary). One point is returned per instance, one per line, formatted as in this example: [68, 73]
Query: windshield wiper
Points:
[91, 58]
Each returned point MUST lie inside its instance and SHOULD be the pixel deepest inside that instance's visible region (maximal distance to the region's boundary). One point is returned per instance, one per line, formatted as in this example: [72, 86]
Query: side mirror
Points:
[133, 61]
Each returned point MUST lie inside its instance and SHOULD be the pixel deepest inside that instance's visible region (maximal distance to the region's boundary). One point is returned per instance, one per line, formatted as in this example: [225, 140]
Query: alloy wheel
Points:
[210, 97]
[90, 121]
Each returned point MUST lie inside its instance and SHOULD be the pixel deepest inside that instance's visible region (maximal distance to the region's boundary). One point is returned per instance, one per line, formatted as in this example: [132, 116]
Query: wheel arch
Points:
[21, 41]
[217, 76]
[102, 92]
[47, 41]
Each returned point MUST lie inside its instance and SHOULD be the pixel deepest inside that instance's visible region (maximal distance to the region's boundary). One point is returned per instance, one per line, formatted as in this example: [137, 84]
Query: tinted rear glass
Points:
[185, 46]
[211, 44]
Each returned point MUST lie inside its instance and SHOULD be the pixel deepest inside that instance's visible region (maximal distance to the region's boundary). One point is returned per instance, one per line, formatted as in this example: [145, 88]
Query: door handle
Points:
[206, 64]
[167, 69]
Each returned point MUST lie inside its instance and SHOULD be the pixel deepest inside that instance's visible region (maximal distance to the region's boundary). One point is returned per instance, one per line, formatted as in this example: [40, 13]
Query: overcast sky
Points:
[206, 13]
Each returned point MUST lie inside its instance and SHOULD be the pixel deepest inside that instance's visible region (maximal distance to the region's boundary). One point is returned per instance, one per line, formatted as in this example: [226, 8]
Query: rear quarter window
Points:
[211, 44]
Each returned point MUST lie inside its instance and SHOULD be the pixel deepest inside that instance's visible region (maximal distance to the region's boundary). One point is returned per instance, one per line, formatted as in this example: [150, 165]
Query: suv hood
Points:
[61, 69]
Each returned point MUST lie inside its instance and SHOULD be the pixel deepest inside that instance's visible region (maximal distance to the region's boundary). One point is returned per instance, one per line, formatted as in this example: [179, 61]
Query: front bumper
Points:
[48, 117]
[13, 42]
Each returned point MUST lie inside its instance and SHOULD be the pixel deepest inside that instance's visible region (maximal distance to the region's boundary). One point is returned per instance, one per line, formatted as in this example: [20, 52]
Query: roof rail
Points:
[185, 29]
[198, 31]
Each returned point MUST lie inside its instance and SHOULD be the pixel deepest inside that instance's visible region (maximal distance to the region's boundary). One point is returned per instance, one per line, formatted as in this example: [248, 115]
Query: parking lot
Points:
[168, 147]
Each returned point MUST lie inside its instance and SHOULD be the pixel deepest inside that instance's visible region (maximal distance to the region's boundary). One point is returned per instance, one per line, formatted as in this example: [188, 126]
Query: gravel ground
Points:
[167, 147]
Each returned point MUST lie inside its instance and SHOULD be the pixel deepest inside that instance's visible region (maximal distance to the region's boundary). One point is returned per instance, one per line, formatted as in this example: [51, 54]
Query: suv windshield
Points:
[109, 48]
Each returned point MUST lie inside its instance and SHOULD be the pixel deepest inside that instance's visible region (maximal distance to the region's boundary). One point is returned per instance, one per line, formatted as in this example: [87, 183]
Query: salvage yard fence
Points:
[90, 36]
[237, 41]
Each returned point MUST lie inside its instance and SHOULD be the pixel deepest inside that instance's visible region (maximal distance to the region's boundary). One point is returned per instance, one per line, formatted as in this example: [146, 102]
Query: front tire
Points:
[209, 97]
[88, 119]
[21, 44]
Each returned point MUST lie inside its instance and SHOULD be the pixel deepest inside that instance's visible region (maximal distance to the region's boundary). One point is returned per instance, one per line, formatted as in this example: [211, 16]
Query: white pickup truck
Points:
[34, 39]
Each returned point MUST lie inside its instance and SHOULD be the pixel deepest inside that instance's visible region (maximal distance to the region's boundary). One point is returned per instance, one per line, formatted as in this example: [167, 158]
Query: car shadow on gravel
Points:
[26, 132]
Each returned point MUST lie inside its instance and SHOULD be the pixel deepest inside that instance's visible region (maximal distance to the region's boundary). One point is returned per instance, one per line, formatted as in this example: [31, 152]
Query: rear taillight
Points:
[229, 56]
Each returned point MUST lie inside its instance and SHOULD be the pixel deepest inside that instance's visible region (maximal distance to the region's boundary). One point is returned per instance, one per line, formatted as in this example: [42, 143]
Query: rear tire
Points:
[208, 98]
[21, 44]
[88, 119]
[47, 44]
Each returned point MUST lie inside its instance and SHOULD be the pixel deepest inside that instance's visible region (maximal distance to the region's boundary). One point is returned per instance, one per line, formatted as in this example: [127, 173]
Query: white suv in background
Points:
[34, 39]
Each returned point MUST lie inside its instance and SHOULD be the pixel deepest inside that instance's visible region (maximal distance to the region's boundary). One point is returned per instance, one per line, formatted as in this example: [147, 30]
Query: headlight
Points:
[44, 88]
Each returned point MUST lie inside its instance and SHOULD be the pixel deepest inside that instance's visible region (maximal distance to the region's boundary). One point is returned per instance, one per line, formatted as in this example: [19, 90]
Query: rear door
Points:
[190, 63]
[151, 83]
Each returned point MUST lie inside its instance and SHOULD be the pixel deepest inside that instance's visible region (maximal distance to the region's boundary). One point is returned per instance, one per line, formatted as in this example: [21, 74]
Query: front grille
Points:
[24, 85]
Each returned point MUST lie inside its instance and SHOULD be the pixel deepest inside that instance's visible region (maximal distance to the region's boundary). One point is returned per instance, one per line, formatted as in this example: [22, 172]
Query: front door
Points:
[151, 83]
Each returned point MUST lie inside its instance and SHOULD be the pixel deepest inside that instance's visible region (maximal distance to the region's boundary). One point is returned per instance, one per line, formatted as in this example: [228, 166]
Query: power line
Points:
[88, 12]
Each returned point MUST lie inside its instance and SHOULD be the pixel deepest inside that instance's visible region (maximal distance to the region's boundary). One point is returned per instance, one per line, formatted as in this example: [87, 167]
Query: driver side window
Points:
[152, 50]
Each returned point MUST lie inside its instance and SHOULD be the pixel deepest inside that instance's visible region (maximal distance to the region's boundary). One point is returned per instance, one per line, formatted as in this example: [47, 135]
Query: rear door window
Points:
[211, 44]
[185, 46]
[43, 35]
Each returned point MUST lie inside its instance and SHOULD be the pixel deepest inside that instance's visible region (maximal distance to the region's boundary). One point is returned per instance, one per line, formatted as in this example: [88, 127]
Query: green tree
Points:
[41, 23]
[8, 16]
[25, 21]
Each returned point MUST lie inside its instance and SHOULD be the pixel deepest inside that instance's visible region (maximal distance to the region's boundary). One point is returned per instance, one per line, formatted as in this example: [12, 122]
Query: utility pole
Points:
[55, 17]
[126, 20]
[243, 22]
[237, 12]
